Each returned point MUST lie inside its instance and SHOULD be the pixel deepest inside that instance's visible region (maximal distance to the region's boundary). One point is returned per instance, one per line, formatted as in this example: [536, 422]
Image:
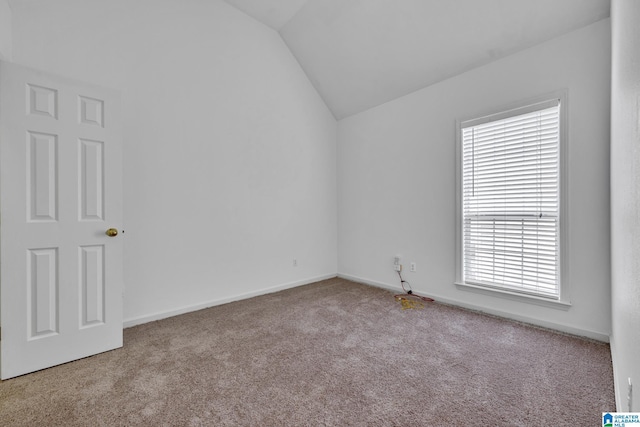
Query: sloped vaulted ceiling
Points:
[362, 53]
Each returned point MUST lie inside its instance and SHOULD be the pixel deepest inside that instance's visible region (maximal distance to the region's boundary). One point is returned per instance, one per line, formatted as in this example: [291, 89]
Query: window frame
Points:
[521, 107]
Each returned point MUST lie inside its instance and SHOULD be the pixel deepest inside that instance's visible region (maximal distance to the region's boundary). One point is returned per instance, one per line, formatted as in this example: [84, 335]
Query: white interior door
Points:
[60, 190]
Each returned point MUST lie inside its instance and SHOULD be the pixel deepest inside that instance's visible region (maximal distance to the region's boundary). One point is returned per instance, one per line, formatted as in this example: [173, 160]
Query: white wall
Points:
[5, 31]
[396, 170]
[229, 152]
[625, 198]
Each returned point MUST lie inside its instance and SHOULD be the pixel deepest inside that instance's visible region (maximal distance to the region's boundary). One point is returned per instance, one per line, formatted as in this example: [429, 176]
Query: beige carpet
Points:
[334, 353]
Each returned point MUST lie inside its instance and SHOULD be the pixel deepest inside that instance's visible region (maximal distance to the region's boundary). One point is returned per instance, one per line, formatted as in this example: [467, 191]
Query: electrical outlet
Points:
[413, 266]
[629, 395]
[295, 262]
[396, 263]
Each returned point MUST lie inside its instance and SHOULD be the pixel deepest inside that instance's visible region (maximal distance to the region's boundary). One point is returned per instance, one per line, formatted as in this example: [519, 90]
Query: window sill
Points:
[514, 296]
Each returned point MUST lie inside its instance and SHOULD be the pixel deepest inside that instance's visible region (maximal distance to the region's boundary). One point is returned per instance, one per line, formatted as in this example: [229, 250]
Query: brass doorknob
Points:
[112, 232]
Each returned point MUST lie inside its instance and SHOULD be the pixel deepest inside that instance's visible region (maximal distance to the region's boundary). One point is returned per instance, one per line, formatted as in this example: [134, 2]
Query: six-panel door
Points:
[60, 190]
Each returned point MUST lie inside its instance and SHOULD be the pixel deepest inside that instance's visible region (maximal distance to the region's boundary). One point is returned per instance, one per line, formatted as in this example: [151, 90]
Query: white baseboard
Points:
[525, 319]
[187, 309]
[617, 379]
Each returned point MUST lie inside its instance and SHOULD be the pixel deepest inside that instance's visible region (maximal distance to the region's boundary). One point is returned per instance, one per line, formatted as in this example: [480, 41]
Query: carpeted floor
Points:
[333, 353]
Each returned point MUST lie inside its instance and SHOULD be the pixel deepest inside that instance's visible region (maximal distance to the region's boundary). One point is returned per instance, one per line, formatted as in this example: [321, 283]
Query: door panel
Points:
[42, 292]
[92, 285]
[60, 190]
[42, 176]
[91, 180]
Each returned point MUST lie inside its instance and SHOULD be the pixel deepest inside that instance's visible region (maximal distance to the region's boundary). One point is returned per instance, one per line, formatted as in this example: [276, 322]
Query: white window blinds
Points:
[511, 203]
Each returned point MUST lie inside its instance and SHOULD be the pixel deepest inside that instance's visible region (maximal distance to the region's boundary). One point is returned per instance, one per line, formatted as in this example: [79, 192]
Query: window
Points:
[510, 200]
